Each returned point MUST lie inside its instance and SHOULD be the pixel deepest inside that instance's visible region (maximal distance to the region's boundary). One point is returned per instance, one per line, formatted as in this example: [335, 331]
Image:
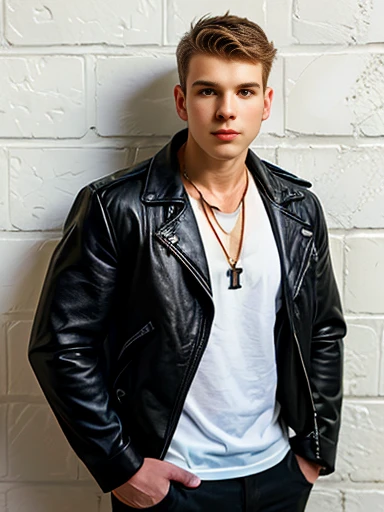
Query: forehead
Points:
[223, 71]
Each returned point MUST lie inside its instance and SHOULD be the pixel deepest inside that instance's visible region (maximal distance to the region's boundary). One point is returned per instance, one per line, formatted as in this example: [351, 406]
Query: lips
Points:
[225, 135]
[225, 132]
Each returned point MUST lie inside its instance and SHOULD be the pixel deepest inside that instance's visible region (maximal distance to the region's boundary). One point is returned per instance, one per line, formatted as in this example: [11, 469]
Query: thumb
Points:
[185, 477]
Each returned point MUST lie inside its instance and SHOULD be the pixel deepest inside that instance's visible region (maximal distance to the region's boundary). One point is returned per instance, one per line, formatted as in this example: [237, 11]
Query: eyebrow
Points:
[207, 83]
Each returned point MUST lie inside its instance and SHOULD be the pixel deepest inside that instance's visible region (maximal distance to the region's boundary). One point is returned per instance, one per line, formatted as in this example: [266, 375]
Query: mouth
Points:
[225, 134]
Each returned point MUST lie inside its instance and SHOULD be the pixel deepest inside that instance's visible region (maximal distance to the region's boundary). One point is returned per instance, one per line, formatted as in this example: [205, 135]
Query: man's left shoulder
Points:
[283, 174]
[306, 204]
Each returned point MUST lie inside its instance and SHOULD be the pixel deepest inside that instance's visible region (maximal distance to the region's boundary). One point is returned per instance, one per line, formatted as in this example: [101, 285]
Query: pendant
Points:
[234, 278]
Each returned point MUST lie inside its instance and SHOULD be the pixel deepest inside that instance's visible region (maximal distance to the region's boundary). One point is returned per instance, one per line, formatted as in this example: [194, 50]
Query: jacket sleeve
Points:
[328, 330]
[66, 343]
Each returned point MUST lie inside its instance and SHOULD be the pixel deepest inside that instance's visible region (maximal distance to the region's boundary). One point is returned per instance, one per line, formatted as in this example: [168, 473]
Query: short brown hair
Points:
[226, 36]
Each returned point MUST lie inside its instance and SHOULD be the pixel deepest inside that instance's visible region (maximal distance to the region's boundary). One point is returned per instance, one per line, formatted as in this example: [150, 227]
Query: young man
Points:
[190, 313]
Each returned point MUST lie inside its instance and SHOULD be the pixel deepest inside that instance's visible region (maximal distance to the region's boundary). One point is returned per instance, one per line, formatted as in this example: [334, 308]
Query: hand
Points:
[150, 484]
[309, 469]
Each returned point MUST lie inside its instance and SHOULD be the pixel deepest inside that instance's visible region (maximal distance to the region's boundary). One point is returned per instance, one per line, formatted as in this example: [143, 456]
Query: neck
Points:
[221, 182]
[218, 176]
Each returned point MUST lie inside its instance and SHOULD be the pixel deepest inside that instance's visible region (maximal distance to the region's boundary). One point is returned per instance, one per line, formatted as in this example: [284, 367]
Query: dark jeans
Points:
[282, 488]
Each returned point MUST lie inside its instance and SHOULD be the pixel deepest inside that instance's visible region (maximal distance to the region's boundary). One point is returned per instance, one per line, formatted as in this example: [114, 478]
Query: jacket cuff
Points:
[304, 446]
[117, 470]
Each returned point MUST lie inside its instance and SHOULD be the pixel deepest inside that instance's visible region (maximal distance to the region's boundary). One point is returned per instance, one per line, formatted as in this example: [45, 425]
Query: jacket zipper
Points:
[176, 411]
[175, 415]
[185, 262]
[315, 425]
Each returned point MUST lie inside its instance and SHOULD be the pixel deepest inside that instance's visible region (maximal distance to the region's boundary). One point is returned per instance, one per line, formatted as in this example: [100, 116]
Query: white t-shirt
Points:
[229, 424]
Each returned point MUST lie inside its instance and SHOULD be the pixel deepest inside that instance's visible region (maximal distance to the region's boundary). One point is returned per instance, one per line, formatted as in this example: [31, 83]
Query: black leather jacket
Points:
[126, 311]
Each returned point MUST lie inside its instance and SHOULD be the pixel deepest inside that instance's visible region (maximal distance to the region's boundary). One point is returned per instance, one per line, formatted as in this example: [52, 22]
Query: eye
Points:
[206, 92]
[246, 93]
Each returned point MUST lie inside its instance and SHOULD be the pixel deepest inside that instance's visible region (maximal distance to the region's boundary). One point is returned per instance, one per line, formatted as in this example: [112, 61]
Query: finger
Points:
[185, 477]
[120, 497]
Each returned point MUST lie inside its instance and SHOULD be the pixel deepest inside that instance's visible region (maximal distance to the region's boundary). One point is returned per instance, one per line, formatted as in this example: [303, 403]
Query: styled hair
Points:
[226, 36]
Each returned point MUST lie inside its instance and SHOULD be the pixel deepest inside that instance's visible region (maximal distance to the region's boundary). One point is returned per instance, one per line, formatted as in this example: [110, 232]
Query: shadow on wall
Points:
[147, 110]
[39, 458]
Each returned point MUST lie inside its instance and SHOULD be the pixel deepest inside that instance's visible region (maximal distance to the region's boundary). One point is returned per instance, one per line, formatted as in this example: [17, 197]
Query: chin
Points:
[227, 151]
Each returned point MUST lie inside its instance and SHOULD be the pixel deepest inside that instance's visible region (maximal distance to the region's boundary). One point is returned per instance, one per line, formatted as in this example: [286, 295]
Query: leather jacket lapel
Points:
[293, 235]
[179, 233]
[294, 240]
[182, 237]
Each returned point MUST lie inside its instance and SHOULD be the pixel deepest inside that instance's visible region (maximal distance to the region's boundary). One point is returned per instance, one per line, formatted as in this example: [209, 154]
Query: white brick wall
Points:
[43, 181]
[328, 22]
[31, 22]
[86, 88]
[3, 190]
[364, 273]
[42, 97]
[348, 89]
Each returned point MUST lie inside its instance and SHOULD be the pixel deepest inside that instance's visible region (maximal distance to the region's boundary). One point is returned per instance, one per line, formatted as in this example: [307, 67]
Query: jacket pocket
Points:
[139, 334]
[123, 363]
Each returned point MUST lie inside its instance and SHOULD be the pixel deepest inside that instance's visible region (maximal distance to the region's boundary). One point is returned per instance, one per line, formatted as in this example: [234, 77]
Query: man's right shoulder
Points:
[129, 177]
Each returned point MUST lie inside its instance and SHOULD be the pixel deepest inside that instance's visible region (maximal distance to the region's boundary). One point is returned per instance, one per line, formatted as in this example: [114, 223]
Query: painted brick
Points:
[279, 22]
[2, 43]
[362, 357]
[321, 499]
[21, 380]
[34, 435]
[354, 107]
[3, 503]
[361, 501]
[336, 247]
[381, 387]
[275, 123]
[84, 474]
[4, 220]
[348, 22]
[135, 96]
[3, 359]
[349, 182]
[23, 266]
[42, 97]
[361, 448]
[52, 499]
[180, 14]
[44, 181]
[364, 291]
[31, 22]
[3, 449]
[268, 154]
[105, 504]
[143, 153]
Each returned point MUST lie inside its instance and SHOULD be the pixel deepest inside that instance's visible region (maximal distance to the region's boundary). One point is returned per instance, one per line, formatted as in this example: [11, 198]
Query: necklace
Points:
[233, 272]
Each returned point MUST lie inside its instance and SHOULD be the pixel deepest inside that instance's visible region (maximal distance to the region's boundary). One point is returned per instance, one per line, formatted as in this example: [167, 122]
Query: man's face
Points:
[223, 94]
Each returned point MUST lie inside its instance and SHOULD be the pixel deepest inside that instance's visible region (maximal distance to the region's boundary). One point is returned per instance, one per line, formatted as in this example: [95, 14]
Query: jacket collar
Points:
[164, 183]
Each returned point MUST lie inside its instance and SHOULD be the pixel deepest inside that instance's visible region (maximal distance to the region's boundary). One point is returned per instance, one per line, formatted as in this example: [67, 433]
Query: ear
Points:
[180, 102]
[268, 97]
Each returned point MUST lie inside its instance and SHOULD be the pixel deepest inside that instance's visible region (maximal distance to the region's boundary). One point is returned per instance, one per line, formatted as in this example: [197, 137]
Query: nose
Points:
[226, 108]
